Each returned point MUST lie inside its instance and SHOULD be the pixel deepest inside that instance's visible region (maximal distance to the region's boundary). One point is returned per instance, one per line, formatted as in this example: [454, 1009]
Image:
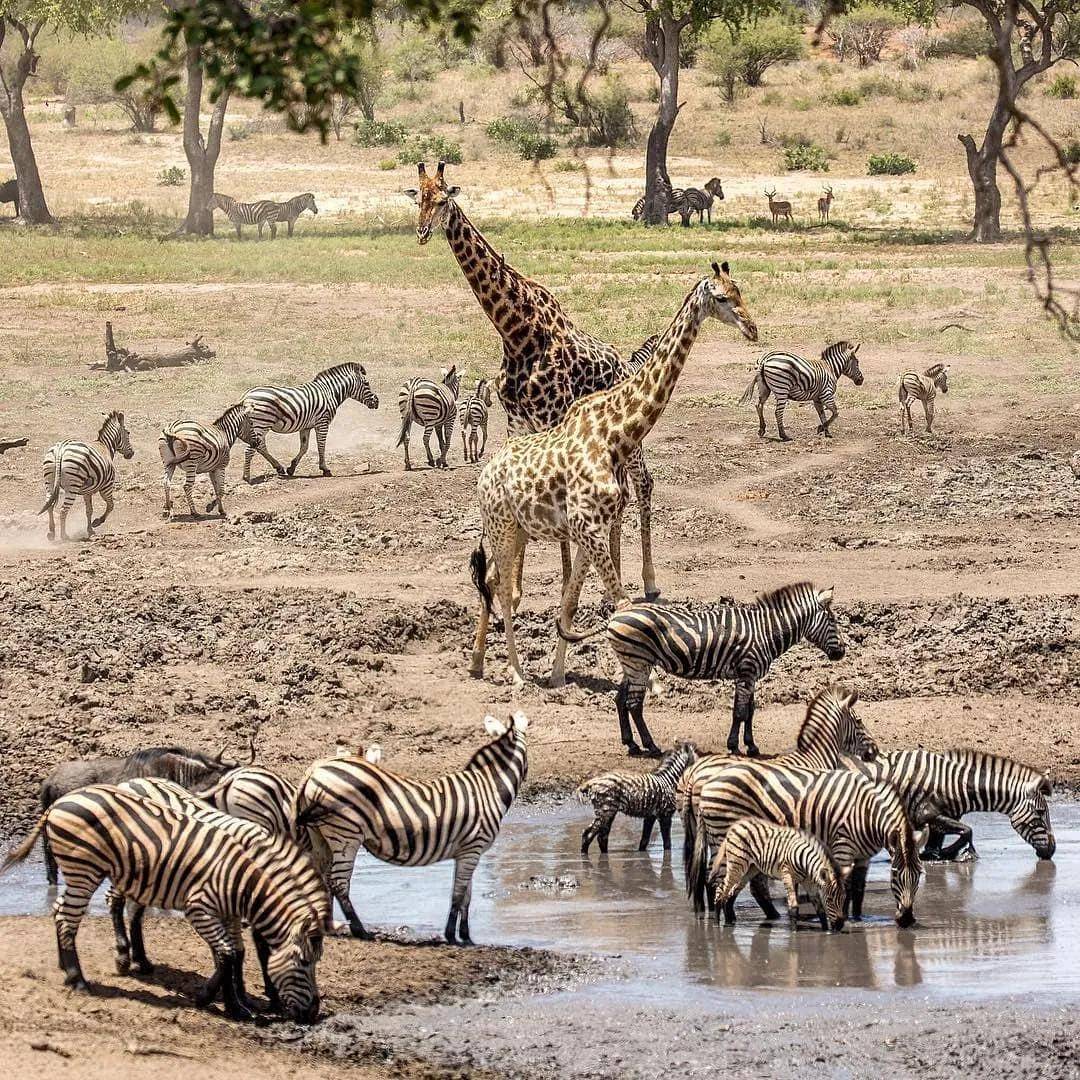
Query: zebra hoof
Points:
[78, 984]
[753, 751]
[326, 472]
[282, 472]
[142, 967]
[123, 964]
[290, 471]
[98, 521]
[652, 594]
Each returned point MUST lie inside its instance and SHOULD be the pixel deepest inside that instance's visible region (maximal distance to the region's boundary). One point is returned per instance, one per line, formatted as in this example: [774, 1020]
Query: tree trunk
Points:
[662, 34]
[202, 154]
[982, 168]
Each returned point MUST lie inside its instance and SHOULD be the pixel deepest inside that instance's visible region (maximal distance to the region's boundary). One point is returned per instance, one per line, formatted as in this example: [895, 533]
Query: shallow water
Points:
[1005, 924]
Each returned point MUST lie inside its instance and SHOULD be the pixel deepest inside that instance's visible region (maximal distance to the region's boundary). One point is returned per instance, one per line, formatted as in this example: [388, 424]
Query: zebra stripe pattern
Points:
[202, 448]
[86, 469]
[677, 203]
[355, 804]
[473, 418]
[240, 214]
[289, 211]
[716, 641]
[753, 847]
[792, 378]
[650, 796]
[433, 405]
[641, 355]
[312, 405]
[160, 857]
[701, 202]
[940, 788]
[924, 388]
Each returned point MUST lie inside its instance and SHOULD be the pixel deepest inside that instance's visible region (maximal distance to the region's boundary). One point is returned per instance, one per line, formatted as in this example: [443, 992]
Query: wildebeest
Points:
[191, 769]
[9, 192]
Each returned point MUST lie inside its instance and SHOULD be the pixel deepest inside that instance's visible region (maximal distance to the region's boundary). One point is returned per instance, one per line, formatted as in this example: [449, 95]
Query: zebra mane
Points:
[934, 369]
[483, 755]
[349, 368]
[963, 756]
[238, 407]
[799, 591]
[114, 415]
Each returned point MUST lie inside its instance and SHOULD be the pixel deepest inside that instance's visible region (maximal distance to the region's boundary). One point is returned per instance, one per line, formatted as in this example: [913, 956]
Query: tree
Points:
[89, 78]
[864, 32]
[745, 55]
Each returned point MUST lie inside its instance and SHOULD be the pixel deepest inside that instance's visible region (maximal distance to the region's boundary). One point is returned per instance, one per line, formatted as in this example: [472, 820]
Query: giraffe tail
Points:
[568, 633]
[748, 393]
[478, 568]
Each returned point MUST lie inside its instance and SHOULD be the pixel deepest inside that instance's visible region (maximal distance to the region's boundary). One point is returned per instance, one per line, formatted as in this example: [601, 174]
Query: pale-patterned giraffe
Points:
[569, 484]
[547, 362]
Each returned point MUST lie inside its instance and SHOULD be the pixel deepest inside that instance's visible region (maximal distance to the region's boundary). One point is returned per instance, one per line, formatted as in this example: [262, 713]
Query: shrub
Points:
[238, 132]
[387, 164]
[1064, 86]
[969, 38]
[430, 146]
[537, 147]
[414, 61]
[745, 57]
[806, 155]
[522, 134]
[723, 138]
[569, 165]
[607, 117]
[848, 95]
[1071, 150]
[889, 165]
[173, 176]
[863, 33]
[379, 133]
[912, 93]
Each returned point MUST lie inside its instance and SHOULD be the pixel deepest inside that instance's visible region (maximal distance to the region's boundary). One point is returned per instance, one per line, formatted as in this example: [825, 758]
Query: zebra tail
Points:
[696, 869]
[17, 854]
[583, 794]
[568, 633]
[54, 493]
[748, 393]
[478, 570]
[404, 433]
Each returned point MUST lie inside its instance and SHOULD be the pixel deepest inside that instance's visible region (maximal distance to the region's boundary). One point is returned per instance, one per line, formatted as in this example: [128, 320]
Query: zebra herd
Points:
[262, 213]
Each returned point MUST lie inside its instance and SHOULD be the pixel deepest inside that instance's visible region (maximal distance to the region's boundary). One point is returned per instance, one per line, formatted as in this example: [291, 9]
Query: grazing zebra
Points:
[202, 448]
[830, 729]
[701, 202]
[263, 212]
[432, 405]
[922, 388]
[159, 857]
[84, 469]
[291, 210]
[753, 846]
[288, 409]
[414, 823]
[650, 796]
[473, 418]
[790, 377]
[715, 641]
[853, 816]
[940, 788]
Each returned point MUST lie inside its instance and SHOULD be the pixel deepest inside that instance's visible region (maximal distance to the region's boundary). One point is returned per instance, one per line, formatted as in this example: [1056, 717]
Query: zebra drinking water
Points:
[650, 796]
[263, 212]
[924, 388]
[288, 409]
[792, 378]
[473, 418]
[85, 469]
[433, 405]
[202, 448]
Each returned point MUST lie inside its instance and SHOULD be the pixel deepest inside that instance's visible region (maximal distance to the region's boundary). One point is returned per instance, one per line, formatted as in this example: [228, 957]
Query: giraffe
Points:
[547, 362]
[569, 484]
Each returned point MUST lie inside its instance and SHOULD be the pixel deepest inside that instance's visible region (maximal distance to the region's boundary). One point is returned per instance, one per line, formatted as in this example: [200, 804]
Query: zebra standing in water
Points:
[473, 418]
[792, 378]
[289, 211]
[939, 788]
[650, 796]
[354, 803]
[202, 448]
[85, 469]
[287, 409]
[433, 405]
[715, 641]
[240, 214]
[159, 857]
[922, 388]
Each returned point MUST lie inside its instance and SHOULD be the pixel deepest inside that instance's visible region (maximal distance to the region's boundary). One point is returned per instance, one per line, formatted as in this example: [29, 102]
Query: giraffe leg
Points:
[519, 568]
[572, 587]
[642, 480]
[506, 548]
[305, 439]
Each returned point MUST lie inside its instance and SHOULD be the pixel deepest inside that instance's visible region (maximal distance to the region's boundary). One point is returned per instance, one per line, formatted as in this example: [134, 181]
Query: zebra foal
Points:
[793, 378]
[354, 803]
[432, 405]
[473, 418]
[286, 410]
[650, 796]
[157, 856]
[924, 388]
[753, 846]
[240, 214]
[201, 448]
[86, 469]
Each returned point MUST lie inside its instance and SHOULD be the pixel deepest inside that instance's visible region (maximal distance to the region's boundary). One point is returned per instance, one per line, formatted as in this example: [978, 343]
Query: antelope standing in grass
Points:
[780, 209]
[823, 205]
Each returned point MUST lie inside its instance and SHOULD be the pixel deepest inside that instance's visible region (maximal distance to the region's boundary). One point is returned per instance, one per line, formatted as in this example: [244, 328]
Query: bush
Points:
[608, 119]
[744, 58]
[173, 176]
[569, 165]
[387, 164]
[912, 93]
[1071, 149]
[522, 134]
[379, 133]
[238, 132]
[414, 61]
[1064, 86]
[970, 38]
[863, 32]
[806, 155]
[889, 165]
[849, 95]
[435, 147]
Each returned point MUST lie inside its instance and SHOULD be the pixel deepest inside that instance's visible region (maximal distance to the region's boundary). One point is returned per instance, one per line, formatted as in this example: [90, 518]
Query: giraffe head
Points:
[433, 197]
[725, 302]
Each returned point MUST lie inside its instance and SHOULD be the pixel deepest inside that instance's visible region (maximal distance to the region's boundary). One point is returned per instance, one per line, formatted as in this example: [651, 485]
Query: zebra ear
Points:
[848, 700]
[855, 347]
[373, 754]
[1043, 786]
[494, 727]
[453, 192]
[520, 720]
[411, 192]
[825, 596]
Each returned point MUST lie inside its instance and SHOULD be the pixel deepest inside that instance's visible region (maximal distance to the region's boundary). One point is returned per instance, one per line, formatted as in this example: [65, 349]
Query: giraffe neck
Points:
[629, 410]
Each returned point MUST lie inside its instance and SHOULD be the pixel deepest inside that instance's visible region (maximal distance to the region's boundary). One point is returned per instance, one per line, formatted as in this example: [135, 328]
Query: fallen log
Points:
[118, 358]
[10, 444]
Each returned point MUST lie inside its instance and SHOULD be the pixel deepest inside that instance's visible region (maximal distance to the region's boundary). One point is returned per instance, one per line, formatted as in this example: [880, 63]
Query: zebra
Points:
[9, 192]
[473, 418]
[159, 857]
[753, 846]
[790, 377]
[853, 816]
[715, 641]
[676, 203]
[640, 355]
[922, 388]
[830, 729]
[414, 823]
[433, 405]
[940, 787]
[240, 214]
[202, 448]
[289, 211]
[84, 469]
[288, 409]
[699, 202]
[650, 796]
